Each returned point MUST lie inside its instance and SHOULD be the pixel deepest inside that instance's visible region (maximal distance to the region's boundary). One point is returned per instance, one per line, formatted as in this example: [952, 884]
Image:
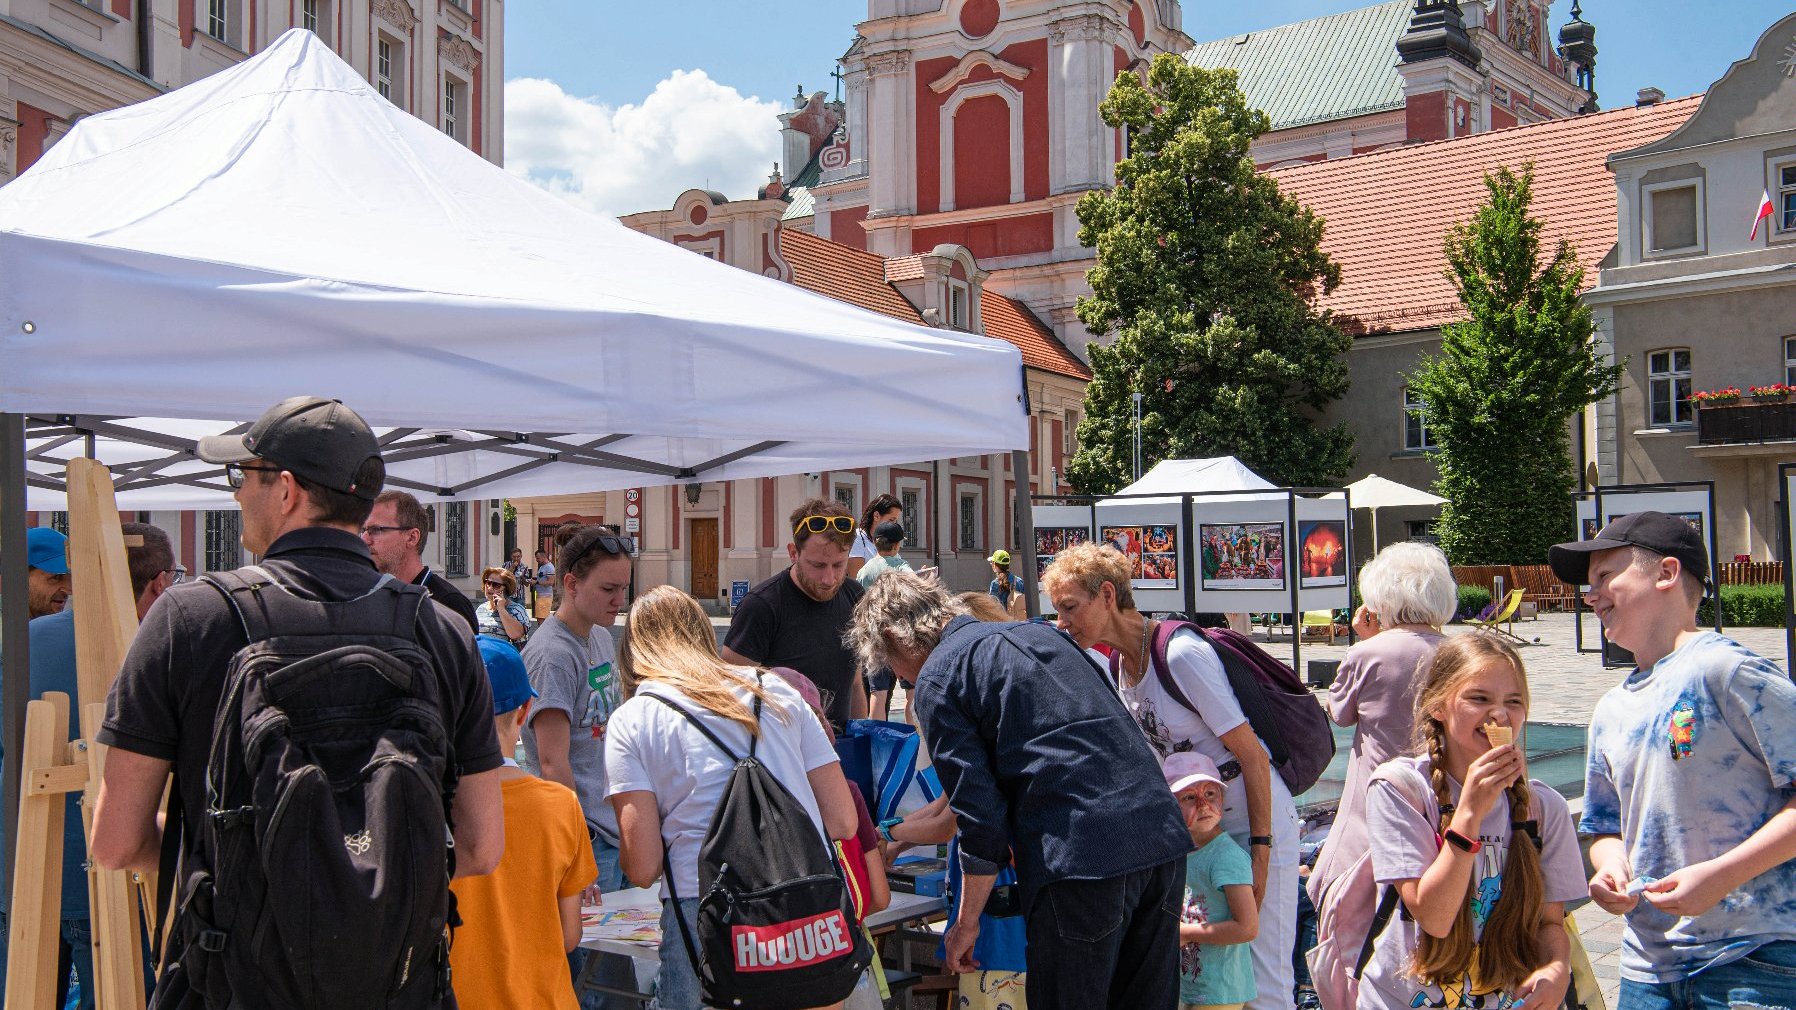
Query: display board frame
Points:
[1290, 509]
[1605, 502]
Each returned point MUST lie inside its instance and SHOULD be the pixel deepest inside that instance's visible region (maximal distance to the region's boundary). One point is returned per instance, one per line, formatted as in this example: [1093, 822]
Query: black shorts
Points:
[882, 680]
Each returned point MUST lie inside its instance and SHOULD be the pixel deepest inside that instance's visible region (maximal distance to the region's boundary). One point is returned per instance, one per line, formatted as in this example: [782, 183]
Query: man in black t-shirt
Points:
[796, 618]
[306, 475]
[395, 531]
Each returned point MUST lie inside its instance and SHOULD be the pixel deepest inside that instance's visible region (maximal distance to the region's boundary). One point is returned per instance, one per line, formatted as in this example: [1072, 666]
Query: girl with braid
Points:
[1481, 857]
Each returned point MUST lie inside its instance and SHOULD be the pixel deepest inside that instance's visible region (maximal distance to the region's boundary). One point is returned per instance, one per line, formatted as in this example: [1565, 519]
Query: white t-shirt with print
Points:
[650, 747]
[1171, 726]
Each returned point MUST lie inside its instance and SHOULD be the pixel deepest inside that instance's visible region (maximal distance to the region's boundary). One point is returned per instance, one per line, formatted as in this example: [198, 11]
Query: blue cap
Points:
[505, 668]
[47, 550]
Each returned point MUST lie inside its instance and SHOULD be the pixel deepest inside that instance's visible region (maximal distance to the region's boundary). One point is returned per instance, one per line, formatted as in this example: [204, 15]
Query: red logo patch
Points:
[792, 944]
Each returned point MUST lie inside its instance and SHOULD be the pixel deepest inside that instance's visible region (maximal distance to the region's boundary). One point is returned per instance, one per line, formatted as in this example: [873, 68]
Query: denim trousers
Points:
[676, 986]
[1107, 943]
[76, 952]
[1762, 980]
[591, 968]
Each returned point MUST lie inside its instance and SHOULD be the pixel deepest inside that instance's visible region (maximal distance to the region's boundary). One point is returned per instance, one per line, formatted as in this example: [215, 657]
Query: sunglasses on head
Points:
[819, 524]
[610, 543]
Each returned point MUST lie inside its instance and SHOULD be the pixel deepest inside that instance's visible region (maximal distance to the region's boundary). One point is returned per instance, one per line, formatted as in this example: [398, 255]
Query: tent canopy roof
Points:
[1375, 492]
[1197, 476]
[278, 228]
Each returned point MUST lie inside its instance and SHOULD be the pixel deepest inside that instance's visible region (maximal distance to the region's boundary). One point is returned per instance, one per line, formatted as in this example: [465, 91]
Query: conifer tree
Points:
[1500, 396]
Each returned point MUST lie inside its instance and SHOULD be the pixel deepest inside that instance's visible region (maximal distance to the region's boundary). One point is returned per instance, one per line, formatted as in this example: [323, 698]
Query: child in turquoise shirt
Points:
[1220, 917]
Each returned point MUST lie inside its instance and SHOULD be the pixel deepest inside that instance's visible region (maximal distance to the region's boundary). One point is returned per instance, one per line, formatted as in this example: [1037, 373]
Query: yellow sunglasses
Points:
[819, 524]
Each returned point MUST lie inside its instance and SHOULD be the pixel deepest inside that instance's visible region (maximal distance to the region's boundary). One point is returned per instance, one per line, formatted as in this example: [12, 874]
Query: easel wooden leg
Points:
[35, 926]
[118, 954]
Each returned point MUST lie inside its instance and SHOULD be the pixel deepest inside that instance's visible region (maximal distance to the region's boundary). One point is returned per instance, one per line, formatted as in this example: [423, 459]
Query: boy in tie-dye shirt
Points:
[1690, 791]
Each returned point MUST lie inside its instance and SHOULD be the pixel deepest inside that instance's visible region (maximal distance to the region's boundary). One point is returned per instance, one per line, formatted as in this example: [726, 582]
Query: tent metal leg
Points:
[15, 685]
[1025, 528]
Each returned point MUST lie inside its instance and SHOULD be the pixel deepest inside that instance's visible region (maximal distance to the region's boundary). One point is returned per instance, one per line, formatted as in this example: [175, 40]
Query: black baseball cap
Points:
[1654, 531]
[317, 439]
[889, 532]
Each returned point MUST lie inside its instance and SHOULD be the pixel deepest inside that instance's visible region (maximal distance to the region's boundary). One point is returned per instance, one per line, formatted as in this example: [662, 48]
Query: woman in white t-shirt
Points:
[665, 779]
[883, 509]
[1090, 588]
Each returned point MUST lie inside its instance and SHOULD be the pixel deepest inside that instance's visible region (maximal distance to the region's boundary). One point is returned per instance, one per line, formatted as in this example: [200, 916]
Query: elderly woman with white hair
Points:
[1409, 594]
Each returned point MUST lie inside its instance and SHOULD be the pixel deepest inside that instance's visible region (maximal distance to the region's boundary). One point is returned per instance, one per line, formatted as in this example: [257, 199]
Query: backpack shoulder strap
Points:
[1387, 906]
[706, 730]
[1163, 669]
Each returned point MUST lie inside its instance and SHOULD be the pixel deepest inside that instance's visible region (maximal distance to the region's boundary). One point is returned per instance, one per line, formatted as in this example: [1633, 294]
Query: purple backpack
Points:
[1282, 712]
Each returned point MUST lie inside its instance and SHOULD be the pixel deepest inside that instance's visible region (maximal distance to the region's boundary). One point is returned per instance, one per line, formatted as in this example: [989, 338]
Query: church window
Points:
[217, 20]
[969, 522]
[1416, 436]
[1673, 218]
[224, 540]
[959, 317]
[453, 94]
[389, 72]
[1668, 387]
[455, 539]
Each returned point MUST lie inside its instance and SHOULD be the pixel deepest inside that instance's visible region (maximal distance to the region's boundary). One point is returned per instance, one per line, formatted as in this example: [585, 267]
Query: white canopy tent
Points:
[1197, 476]
[1375, 492]
[279, 228]
[173, 268]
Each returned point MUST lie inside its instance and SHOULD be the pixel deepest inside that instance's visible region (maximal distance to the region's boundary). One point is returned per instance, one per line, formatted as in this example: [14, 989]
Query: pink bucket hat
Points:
[1187, 768]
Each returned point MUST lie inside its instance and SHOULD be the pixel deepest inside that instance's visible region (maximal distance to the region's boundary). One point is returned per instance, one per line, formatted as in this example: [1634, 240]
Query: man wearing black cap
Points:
[1690, 788]
[306, 475]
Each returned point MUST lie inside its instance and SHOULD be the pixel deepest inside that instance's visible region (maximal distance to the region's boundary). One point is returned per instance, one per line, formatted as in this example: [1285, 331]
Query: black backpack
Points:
[326, 835]
[776, 926]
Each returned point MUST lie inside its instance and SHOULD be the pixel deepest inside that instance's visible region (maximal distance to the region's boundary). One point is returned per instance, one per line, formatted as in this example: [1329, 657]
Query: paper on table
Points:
[632, 925]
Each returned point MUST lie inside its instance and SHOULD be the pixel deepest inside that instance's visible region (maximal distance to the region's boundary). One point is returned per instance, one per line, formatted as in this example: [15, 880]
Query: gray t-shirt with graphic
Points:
[576, 676]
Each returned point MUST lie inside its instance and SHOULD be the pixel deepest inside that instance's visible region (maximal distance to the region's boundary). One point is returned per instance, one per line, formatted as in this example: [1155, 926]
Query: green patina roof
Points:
[802, 204]
[1334, 67]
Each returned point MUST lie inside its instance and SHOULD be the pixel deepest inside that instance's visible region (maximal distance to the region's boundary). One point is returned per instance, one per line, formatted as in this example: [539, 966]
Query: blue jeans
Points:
[1762, 980]
[676, 986]
[76, 952]
[591, 968]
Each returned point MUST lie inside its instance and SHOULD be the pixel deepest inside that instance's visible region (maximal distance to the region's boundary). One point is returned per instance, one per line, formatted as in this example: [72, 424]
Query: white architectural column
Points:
[1079, 56]
[891, 125]
[1608, 410]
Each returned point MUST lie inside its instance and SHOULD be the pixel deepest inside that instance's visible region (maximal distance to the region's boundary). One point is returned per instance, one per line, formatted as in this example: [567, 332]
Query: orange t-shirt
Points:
[509, 952]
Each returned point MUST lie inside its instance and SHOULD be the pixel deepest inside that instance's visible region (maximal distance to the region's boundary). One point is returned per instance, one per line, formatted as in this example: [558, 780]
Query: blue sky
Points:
[623, 105]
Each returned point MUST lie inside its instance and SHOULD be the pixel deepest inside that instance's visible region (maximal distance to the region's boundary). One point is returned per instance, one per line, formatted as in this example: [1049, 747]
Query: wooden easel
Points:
[52, 766]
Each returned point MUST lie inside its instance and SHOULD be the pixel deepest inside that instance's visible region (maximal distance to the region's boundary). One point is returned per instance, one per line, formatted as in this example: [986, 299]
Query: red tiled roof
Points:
[1009, 319]
[844, 273]
[1388, 212]
[904, 268]
[859, 278]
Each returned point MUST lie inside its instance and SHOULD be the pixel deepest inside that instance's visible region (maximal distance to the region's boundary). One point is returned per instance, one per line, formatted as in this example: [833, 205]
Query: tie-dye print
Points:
[1686, 761]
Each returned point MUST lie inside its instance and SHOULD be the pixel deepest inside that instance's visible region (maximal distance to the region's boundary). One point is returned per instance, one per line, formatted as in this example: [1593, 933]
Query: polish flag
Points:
[1764, 212]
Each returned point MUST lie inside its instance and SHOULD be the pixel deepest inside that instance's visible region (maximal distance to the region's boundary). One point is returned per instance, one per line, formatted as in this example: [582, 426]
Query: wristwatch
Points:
[1262, 840]
[1461, 842]
[886, 826]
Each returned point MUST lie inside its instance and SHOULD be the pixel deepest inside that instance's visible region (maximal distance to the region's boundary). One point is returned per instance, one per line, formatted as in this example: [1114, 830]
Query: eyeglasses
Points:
[234, 473]
[610, 543]
[374, 531]
[180, 575]
[818, 524]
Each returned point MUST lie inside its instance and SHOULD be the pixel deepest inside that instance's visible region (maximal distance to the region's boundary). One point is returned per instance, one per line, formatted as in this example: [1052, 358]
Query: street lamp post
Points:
[1137, 398]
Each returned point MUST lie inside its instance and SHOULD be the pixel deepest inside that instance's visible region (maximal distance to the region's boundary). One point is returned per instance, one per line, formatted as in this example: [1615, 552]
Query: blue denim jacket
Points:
[1039, 757]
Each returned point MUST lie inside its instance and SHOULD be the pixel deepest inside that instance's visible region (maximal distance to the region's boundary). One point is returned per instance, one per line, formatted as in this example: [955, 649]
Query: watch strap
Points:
[1461, 842]
[1265, 840]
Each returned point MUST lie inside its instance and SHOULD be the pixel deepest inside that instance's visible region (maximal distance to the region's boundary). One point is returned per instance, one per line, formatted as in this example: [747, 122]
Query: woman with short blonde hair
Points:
[500, 614]
[1409, 595]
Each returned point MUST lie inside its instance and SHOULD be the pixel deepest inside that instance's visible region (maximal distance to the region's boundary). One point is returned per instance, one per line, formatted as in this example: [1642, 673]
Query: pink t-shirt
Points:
[1404, 846]
[1375, 692]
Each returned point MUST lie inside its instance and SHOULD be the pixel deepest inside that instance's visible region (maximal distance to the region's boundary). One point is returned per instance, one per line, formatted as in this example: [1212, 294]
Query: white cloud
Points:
[690, 132]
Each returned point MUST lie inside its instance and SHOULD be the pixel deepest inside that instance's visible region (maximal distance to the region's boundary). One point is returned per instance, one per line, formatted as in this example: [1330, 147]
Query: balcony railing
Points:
[1746, 421]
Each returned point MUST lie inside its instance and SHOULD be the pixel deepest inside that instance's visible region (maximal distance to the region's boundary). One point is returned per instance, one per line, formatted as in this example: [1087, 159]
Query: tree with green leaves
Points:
[1500, 396]
[1207, 276]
